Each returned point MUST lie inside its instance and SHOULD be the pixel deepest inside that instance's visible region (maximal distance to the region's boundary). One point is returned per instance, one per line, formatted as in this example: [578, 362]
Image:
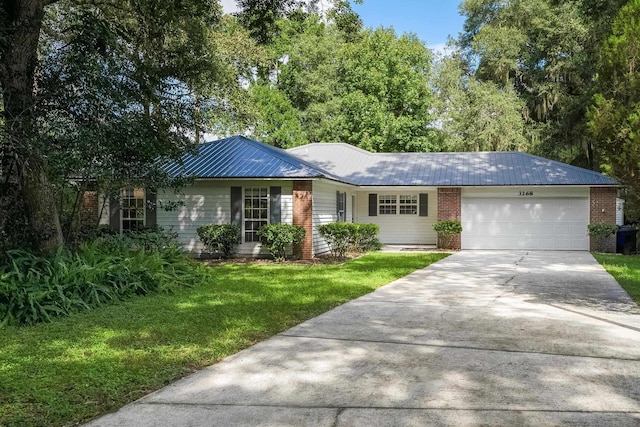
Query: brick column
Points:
[303, 216]
[602, 208]
[89, 210]
[450, 209]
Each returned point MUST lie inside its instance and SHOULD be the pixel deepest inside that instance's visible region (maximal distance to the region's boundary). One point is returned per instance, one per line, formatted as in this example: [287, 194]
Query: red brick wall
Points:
[603, 209]
[89, 210]
[450, 209]
[303, 216]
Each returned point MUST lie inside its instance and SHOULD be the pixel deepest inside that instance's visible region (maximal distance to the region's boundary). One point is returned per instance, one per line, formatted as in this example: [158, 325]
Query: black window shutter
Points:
[275, 206]
[236, 206]
[424, 204]
[373, 205]
[114, 214]
[151, 208]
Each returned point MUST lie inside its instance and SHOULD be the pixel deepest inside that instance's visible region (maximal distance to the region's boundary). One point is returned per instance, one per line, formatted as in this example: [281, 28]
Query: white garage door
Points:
[516, 223]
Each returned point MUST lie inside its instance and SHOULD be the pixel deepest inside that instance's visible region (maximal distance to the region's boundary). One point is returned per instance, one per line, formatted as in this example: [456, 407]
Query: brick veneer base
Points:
[450, 209]
[303, 216]
[602, 208]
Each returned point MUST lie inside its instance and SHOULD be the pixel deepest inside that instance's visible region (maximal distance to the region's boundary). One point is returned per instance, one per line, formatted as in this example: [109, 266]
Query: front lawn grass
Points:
[625, 269]
[90, 363]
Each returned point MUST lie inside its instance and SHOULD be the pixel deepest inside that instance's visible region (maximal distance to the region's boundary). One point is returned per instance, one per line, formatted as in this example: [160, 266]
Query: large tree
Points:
[26, 198]
[477, 115]
[544, 49]
[114, 86]
[615, 113]
[369, 88]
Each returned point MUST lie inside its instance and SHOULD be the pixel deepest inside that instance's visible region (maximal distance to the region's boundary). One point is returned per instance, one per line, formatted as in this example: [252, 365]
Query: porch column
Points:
[450, 209]
[303, 216]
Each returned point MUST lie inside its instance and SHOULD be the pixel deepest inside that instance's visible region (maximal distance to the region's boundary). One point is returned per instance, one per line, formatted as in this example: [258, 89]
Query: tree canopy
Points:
[107, 89]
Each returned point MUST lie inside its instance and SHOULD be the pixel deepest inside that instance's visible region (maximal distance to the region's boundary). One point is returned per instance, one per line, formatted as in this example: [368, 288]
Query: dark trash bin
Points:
[626, 239]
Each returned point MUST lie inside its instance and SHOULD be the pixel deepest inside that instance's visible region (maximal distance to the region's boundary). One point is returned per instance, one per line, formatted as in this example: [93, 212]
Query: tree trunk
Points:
[25, 181]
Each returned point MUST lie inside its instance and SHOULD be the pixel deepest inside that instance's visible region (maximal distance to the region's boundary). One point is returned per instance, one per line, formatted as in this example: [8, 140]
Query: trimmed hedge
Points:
[345, 236]
[221, 239]
[447, 230]
[600, 231]
[278, 238]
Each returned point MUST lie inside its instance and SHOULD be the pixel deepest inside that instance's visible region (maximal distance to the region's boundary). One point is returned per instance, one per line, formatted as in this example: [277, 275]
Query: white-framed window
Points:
[403, 204]
[408, 204]
[387, 204]
[132, 212]
[256, 212]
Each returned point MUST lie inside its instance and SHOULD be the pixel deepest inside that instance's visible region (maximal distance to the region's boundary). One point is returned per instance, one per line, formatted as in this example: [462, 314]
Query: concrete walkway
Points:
[480, 338]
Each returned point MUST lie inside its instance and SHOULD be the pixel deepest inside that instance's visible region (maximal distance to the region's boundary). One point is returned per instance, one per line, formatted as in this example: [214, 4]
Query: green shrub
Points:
[339, 237]
[221, 239]
[600, 231]
[365, 238]
[345, 236]
[35, 289]
[278, 238]
[447, 230]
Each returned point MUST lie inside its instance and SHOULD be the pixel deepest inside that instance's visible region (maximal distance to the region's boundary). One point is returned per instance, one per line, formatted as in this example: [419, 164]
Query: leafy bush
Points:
[278, 238]
[601, 231]
[35, 289]
[345, 236]
[222, 239]
[339, 237]
[366, 238]
[447, 230]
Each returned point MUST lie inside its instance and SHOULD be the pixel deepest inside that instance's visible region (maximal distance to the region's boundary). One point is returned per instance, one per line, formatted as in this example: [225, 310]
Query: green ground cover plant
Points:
[36, 289]
[78, 367]
[625, 269]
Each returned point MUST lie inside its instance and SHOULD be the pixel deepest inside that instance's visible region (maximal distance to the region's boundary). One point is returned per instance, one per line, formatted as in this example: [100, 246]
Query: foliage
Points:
[34, 289]
[278, 238]
[625, 269]
[369, 88]
[278, 123]
[386, 101]
[260, 16]
[478, 115]
[543, 51]
[614, 117]
[120, 87]
[345, 236]
[447, 230]
[601, 229]
[339, 237]
[365, 238]
[601, 232]
[222, 239]
[55, 374]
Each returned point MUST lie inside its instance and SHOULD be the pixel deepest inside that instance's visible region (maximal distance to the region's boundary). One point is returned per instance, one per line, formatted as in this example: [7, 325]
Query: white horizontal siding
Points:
[209, 202]
[401, 229]
[103, 209]
[324, 210]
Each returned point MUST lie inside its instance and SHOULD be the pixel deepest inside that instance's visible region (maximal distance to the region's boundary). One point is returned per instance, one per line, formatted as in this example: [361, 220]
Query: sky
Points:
[431, 20]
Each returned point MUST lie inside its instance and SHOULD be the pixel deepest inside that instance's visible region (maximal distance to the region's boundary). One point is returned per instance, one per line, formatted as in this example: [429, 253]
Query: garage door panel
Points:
[508, 223]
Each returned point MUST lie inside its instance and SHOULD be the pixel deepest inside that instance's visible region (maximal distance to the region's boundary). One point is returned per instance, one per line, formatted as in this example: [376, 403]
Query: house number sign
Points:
[525, 193]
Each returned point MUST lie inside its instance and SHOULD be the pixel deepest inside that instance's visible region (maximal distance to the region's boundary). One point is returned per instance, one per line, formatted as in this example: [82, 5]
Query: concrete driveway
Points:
[480, 338]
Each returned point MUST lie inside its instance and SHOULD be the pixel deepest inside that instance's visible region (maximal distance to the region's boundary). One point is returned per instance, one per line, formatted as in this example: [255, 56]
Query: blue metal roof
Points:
[363, 168]
[240, 157]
